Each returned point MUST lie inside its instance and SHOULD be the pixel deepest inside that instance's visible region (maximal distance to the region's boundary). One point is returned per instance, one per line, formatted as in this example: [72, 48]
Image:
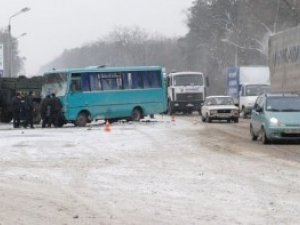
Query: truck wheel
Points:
[170, 108]
[236, 120]
[244, 114]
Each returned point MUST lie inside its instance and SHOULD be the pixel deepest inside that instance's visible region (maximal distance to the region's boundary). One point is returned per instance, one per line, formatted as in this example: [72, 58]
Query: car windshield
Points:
[255, 90]
[283, 104]
[188, 80]
[220, 101]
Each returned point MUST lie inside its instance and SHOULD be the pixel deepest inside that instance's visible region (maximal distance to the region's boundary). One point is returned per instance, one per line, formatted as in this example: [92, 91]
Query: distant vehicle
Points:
[186, 91]
[244, 84]
[107, 93]
[9, 86]
[276, 117]
[284, 61]
[220, 108]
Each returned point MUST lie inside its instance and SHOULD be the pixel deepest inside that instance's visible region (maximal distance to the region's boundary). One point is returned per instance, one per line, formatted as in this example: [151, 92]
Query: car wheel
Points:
[263, 137]
[236, 120]
[203, 118]
[253, 136]
[207, 119]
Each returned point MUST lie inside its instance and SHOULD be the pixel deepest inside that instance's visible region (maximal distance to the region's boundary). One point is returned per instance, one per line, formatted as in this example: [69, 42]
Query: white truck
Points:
[186, 91]
[284, 61]
[245, 83]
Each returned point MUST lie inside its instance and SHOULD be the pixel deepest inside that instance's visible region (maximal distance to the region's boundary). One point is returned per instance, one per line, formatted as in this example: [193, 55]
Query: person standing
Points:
[16, 107]
[29, 110]
[56, 108]
[46, 112]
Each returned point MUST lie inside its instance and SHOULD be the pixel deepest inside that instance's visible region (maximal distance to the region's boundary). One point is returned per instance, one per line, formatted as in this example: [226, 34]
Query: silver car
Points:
[219, 108]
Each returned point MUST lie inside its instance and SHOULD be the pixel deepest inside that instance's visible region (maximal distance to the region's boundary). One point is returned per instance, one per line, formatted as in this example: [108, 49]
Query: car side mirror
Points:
[259, 109]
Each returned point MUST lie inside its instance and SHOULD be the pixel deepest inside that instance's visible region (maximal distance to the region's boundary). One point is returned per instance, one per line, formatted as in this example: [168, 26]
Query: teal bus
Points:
[107, 93]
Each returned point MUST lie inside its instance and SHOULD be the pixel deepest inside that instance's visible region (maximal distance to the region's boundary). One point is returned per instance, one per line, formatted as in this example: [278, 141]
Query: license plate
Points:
[292, 131]
[224, 115]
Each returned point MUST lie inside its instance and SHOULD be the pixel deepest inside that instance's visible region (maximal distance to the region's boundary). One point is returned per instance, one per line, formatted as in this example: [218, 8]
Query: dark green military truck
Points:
[8, 89]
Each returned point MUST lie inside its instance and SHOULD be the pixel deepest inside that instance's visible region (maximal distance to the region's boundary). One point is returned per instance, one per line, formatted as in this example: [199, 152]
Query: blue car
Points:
[275, 117]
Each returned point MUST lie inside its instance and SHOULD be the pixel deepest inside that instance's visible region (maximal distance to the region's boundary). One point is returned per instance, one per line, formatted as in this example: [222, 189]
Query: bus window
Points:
[111, 81]
[137, 80]
[151, 79]
[85, 82]
[126, 77]
[95, 82]
[76, 82]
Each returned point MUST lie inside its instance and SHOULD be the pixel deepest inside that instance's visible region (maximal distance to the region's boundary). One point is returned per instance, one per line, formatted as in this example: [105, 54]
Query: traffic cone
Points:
[107, 127]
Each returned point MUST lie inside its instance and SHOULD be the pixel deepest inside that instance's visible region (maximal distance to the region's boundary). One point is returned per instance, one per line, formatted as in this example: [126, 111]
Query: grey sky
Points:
[54, 25]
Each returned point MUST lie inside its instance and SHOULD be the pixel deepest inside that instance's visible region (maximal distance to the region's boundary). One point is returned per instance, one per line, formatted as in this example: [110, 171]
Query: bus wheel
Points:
[136, 114]
[81, 120]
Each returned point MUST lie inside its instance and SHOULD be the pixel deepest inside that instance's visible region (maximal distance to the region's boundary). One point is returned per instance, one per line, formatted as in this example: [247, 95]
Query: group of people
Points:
[51, 111]
[24, 109]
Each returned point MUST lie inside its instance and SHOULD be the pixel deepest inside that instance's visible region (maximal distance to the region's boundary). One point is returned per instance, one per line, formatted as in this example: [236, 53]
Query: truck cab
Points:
[186, 92]
[248, 95]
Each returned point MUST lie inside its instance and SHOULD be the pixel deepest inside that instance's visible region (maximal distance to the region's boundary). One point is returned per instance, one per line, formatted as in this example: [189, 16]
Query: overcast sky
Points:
[55, 25]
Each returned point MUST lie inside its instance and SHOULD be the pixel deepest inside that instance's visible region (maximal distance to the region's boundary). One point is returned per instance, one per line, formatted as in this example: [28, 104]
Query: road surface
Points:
[149, 173]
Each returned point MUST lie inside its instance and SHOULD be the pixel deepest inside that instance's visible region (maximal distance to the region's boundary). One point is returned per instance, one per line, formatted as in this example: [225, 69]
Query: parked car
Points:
[219, 108]
[275, 117]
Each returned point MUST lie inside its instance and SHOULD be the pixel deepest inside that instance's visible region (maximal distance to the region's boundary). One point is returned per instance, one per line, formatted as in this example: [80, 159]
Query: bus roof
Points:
[185, 73]
[105, 69]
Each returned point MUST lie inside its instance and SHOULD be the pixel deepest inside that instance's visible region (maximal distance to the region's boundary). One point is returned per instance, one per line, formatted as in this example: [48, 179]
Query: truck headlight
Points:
[213, 112]
[274, 121]
[234, 111]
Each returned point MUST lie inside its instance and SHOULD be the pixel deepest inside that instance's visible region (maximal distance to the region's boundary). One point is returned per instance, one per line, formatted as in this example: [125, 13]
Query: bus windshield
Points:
[55, 83]
[188, 80]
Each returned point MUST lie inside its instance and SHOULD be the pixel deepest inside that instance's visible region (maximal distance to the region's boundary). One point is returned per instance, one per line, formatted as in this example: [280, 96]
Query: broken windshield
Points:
[54, 83]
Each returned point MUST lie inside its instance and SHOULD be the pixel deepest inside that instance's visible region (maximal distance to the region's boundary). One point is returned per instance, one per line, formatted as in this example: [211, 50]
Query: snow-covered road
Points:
[160, 172]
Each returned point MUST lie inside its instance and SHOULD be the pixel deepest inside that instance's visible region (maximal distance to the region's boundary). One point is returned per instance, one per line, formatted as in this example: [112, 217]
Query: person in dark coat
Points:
[16, 107]
[56, 108]
[46, 112]
[29, 107]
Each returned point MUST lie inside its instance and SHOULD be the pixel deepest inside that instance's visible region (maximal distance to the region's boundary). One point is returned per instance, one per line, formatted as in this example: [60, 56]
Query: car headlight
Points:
[274, 121]
[234, 111]
[213, 111]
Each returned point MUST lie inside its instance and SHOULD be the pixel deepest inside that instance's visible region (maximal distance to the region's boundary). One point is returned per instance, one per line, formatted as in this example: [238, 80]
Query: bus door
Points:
[75, 100]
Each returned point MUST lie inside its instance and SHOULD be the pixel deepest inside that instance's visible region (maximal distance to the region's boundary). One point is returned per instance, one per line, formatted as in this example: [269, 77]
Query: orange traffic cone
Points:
[107, 127]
